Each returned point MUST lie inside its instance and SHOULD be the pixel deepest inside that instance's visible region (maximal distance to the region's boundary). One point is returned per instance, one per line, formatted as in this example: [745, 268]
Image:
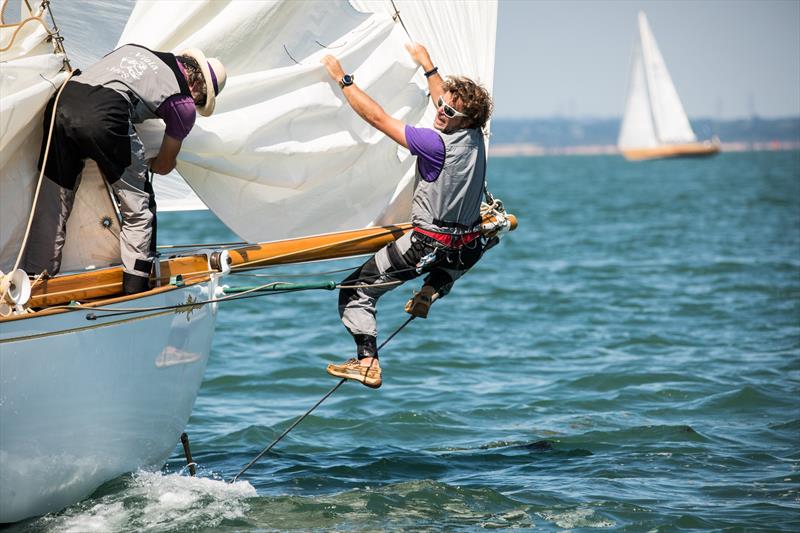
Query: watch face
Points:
[347, 79]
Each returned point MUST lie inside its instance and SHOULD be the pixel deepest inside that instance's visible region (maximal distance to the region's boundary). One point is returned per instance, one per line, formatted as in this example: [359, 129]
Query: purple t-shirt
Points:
[179, 113]
[428, 146]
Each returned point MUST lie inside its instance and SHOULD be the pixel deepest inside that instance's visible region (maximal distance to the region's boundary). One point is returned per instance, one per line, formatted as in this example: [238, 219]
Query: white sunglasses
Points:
[449, 111]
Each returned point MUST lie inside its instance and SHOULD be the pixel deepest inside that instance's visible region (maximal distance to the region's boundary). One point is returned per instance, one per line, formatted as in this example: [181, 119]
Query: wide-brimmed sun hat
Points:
[214, 73]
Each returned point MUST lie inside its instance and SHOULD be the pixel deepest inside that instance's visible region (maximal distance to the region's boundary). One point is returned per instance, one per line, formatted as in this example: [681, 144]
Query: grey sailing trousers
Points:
[391, 266]
[134, 197]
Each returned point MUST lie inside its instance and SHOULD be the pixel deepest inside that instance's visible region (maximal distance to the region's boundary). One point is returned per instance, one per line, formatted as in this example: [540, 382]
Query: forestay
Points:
[284, 155]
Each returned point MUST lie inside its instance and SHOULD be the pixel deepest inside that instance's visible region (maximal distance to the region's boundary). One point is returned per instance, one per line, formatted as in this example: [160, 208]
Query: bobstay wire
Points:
[319, 402]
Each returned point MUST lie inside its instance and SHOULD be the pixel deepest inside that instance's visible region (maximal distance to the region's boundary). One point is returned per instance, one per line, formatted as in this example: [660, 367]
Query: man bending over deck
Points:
[95, 119]
[445, 240]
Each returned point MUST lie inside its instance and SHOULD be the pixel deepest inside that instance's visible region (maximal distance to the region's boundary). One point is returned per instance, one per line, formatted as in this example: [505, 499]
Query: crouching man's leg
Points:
[138, 221]
[48, 231]
[62, 169]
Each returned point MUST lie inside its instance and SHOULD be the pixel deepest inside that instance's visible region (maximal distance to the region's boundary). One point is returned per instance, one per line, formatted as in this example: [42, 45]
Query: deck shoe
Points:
[353, 369]
[421, 302]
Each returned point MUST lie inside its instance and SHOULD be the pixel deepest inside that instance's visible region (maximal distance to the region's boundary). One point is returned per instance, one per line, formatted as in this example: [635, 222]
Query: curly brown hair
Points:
[194, 73]
[475, 99]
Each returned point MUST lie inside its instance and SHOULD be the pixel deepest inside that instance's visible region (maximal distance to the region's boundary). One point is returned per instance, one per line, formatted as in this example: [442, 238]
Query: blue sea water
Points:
[628, 360]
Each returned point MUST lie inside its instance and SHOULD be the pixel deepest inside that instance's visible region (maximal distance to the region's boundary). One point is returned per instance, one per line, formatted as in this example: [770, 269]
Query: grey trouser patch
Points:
[134, 206]
[48, 229]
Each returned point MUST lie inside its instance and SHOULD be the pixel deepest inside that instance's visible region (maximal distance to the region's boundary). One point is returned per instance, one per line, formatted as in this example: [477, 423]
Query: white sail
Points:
[638, 129]
[30, 72]
[284, 155]
[664, 113]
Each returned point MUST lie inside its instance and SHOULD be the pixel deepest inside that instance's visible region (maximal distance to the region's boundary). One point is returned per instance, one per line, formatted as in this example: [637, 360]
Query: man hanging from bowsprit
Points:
[445, 240]
[95, 119]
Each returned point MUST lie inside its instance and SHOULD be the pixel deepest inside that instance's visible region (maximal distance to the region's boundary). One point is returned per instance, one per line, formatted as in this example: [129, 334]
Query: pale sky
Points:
[571, 58]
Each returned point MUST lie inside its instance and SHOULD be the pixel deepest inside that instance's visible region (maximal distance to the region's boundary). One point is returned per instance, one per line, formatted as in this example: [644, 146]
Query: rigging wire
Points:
[319, 402]
[253, 292]
[202, 245]
[397, 17]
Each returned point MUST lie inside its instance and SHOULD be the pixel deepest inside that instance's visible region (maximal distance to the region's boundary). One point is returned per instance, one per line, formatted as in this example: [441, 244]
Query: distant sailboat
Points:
[655, 124]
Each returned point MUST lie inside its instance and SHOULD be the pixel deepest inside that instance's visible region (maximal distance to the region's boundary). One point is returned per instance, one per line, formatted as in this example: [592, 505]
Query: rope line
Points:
[58, 40]
[113, 311]
[39, 182]
[248, 293]
[201, 245]
[319, 402]
[396, 16]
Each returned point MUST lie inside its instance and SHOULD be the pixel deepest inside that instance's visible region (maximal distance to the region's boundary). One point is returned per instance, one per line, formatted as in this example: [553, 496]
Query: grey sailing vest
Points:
[143, 77]
[452, 203]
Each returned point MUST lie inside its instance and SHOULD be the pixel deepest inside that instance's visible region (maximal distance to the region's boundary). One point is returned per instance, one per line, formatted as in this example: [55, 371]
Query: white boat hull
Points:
[84, 401]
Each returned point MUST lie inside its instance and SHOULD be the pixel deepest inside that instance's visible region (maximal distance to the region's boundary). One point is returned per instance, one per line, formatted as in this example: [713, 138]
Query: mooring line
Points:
[319, 402]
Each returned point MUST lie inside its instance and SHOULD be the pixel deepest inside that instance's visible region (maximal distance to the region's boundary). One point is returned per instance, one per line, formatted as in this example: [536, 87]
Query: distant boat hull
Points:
[665, 151]
[84, 401]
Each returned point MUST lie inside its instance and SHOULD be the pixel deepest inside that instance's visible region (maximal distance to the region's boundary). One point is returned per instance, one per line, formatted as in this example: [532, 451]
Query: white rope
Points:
[39, 182]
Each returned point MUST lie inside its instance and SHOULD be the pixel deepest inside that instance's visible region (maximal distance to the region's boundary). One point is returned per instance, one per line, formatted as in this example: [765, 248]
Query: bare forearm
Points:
[167, 157]
[435, 86]
[435, 81]
[364, 105]
[162, 166]
[369, 110]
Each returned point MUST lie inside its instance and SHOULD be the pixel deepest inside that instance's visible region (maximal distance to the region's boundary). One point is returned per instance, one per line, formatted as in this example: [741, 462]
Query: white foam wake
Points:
[153, 500]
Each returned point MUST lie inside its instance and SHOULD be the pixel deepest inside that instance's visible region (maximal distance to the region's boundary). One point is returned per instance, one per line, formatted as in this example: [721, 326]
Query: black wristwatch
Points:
[347, 80]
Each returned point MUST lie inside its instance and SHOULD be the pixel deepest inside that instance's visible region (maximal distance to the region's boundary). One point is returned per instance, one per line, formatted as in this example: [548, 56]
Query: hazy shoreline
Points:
[535, 150]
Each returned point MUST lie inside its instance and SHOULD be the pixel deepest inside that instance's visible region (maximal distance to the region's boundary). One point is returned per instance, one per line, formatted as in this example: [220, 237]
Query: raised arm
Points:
[366, 107]
[421, 57]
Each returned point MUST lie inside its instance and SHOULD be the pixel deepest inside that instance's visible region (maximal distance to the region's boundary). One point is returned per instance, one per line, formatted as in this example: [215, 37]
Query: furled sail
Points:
[284, 155]
[654, 114]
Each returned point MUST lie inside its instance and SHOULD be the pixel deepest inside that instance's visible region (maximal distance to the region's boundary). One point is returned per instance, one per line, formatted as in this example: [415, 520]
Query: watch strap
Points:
[431, 72]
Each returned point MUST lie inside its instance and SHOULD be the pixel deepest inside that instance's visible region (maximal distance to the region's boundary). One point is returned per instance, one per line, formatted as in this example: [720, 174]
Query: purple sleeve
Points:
[428, 146]
[179, 114]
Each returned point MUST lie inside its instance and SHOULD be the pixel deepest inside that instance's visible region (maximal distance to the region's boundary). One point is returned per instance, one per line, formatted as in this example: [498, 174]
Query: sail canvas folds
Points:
[284, 155]
[30, 72]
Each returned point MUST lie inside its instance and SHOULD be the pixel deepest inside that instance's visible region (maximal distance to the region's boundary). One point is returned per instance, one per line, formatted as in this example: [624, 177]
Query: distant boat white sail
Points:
[655, 123]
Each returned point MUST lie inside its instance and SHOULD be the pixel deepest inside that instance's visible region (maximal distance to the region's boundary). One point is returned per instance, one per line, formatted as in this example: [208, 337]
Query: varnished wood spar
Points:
[107, 283]
[672, 150]
[318, 247]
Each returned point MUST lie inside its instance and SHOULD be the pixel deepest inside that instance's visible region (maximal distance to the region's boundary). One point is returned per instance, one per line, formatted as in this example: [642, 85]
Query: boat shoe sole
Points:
[371, 377]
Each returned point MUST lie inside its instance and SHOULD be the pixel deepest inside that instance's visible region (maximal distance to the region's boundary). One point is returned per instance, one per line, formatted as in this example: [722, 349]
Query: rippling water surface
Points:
[627, 359]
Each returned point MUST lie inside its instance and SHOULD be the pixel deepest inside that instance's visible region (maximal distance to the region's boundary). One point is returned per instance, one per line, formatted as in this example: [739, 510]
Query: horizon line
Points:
[619, 118]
